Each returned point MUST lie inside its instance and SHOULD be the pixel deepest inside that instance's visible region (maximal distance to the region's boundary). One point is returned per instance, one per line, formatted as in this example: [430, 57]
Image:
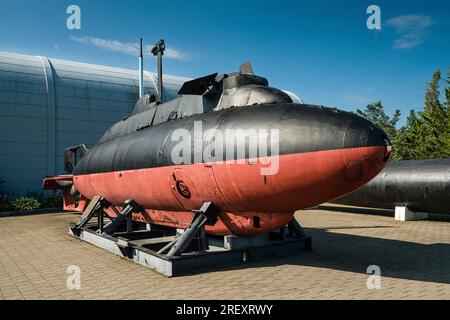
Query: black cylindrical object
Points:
[422, 185]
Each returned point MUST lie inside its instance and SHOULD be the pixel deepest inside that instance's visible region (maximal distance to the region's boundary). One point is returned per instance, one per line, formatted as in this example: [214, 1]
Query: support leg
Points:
[96, 206]
[114, 225]
[167, 246]
[185, 239]
[101, 221]
[296, 228]
[202, 243]
[207, 212]
[130, 223]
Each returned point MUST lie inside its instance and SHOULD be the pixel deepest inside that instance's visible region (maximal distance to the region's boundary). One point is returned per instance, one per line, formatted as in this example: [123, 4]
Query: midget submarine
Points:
[233, 141]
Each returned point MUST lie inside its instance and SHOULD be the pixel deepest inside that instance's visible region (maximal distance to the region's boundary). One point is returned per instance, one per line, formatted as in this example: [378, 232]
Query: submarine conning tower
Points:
[206, 94]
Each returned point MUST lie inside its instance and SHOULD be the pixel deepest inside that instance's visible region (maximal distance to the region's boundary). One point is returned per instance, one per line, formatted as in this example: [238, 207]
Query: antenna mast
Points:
[141, 72]
[158, 50]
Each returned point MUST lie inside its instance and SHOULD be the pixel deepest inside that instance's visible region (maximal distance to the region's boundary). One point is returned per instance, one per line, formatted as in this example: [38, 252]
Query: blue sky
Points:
[321, 50]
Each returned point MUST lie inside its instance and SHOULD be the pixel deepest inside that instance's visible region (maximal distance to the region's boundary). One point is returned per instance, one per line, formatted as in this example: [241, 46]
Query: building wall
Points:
[47, 105]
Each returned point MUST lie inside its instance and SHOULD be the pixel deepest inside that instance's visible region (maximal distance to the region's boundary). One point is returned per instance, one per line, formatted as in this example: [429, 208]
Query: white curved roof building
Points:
[47, 105]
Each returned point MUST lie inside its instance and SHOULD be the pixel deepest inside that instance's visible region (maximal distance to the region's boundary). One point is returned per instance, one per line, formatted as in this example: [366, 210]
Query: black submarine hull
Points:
[422, 185]
[301, 129]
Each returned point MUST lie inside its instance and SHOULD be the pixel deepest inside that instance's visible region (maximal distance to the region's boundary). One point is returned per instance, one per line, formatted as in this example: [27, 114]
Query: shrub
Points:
[53, 201]
[25, 204]
[3, 193]
[5, 205]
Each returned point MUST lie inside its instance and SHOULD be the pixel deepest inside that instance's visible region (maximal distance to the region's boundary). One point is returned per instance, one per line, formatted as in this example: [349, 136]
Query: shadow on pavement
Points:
[353, 253]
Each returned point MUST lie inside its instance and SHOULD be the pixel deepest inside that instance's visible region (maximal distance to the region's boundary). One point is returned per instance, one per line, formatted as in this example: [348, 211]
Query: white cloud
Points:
[411, 28]
[129, 48]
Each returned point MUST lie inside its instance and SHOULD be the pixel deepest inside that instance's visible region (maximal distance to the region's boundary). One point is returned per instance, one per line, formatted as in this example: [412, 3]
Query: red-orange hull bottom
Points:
[251, 203]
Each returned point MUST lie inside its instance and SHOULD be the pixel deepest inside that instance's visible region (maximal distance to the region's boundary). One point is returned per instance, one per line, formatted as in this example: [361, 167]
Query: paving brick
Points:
[35, 252]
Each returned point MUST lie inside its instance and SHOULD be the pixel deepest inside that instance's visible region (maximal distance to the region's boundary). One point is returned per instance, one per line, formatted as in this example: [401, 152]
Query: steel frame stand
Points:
[94, 208]
[173, 252]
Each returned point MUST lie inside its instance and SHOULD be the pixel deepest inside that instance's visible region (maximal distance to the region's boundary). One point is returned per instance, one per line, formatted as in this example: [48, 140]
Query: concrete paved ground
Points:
[414, 258]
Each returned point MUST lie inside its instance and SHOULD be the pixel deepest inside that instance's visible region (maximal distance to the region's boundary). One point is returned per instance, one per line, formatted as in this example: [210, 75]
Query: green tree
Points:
[405, 143]
[447, 111]
[426, 134]
[432, 94]
[375, 112]
[435, 138]
[447, 90]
